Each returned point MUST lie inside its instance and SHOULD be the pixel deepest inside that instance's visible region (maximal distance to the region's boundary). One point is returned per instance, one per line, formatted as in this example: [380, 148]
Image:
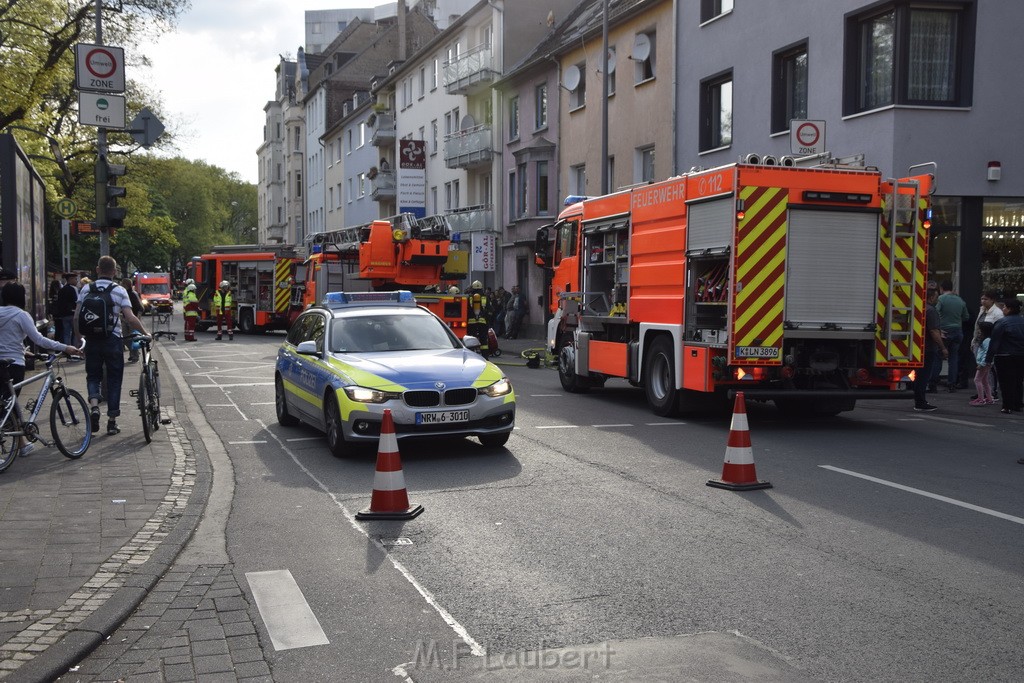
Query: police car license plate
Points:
[442, 417]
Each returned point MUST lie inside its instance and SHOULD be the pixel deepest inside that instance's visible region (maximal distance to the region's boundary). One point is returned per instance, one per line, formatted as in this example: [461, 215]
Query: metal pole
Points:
[605, 180]
[101, 144]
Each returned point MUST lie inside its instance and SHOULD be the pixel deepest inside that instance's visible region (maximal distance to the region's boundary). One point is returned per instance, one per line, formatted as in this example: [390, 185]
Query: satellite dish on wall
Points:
[611, 60]
[641, 47]
[467, 122]
[572, 77]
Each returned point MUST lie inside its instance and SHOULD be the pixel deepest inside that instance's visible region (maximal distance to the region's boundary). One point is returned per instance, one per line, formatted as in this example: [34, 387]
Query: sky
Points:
[215, 74]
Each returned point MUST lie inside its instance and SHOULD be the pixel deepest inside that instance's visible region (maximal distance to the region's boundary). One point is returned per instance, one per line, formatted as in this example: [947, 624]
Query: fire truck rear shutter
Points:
[710, 223]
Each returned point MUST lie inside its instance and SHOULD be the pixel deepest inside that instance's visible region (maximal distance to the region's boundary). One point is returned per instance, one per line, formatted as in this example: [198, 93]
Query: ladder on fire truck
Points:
[901, 214]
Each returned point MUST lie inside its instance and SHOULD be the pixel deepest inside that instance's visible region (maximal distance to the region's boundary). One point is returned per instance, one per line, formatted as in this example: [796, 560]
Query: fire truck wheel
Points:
[571, 382]
[284, 418]
[335, 431]
[246, 325]
[660, 378]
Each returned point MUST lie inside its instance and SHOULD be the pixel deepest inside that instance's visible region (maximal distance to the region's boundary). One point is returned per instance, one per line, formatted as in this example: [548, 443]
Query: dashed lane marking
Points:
[242, 443]
[286, 614]
[305, 438]
[224, 386]
[662, 424]
[558, 426]
[624, 424]
[927, 494]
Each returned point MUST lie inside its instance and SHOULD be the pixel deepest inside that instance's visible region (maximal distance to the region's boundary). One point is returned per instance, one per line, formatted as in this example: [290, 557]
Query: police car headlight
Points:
[500, 388]
[366, 395]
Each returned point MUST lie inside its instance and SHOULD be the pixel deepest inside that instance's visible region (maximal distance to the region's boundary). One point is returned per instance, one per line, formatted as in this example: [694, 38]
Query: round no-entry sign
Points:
[99, 68]
[100, 62]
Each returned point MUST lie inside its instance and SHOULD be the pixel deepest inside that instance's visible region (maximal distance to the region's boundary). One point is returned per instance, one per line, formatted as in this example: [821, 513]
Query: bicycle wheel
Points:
[154, 398]
[144, 406]
[70, 424]
[8, 442]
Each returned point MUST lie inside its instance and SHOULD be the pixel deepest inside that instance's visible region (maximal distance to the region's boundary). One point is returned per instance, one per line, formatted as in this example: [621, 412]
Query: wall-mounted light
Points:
[995, 171]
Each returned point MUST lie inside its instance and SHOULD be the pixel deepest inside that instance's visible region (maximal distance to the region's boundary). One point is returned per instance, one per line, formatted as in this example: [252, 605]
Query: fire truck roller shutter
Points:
[831, 275]
[709, 223]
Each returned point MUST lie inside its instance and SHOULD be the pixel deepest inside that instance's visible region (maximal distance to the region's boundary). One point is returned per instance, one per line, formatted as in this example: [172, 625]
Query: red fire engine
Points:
[805, 286]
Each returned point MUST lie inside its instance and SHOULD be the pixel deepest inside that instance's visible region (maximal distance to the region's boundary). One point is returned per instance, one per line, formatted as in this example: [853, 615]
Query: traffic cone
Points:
[390, 500]
[738, 473]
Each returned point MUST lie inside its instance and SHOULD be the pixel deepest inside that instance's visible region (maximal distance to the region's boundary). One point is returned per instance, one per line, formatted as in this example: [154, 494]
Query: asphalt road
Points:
[890, 547]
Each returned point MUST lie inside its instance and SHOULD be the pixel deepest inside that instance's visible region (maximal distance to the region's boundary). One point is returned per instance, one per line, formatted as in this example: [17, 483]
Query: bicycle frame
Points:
[28, 427]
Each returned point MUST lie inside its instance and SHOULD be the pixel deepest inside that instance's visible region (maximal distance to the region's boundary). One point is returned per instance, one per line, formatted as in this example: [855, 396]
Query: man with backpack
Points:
[98, 319]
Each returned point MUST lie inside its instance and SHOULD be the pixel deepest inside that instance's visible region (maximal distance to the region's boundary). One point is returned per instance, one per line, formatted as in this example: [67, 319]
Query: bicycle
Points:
[69, 414]
[148, 392]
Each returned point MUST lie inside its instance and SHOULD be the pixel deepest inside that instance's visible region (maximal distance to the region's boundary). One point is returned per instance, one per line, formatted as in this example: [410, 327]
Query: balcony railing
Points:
[383, 133]
[275, 233]
[471, 72]
[469, 148]
[382, 187]
[471, 219]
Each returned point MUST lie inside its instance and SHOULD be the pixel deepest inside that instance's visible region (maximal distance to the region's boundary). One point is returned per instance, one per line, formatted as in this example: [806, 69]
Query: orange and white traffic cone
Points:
[738, 473]
[390, 500]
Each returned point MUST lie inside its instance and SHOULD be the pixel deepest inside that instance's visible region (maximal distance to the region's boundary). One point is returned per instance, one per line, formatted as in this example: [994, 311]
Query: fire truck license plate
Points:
[443, 417]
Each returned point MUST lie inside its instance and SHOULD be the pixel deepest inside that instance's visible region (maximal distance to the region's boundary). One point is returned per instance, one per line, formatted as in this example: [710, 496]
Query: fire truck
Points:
[262, 278]
[400, 252]
[800, 285]
[155, 291]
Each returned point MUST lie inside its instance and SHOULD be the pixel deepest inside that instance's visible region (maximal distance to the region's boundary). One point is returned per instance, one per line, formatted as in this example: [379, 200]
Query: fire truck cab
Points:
[805, 286]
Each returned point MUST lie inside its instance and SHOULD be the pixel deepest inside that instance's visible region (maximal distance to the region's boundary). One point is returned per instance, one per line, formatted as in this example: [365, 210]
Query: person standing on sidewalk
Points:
[15, 326]
[1007, 350]
[126, 282]
[190, 308]
[104, 349]
[934, 351]
[67, 299]
[515, 311]
[221, 307]
[952, 316]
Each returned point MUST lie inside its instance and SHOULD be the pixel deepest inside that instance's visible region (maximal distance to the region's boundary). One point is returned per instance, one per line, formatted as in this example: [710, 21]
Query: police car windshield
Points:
[391, 332]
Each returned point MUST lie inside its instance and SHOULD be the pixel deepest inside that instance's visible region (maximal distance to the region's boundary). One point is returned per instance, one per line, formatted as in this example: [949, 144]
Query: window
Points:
[789, 87]
[906, 54]
[362, 184]
[540, 99]
[451, 195]
[362, 133]
[542, 188]
[298, 184]
[316, 28]
[330, 198]
[350, 196]
[433, 208]
[709, 9]
[611, 173]
[423, 81]
[512, 213]
[513, 118]
[578, 179]
[433, 76]
[643, 69]
[645, 164]
[521, 191]
[433, 136]
[716, 112]
[611, 71]
[578, 97]
[348, 133]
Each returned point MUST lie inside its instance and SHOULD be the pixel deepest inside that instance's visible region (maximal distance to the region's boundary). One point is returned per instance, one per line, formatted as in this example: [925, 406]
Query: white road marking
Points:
[662, 424]
[969, 423]
[265, 403]
[242, 443]
[927, 494]
[220, 405]
[286, 614]
[305, 438]
[624, 424]
[558, 426]
[221, 386]
[545, 395]
[475, 648]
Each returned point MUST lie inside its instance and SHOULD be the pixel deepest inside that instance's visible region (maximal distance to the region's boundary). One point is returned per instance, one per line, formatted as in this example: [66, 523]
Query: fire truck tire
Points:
[660, 378]
[571, 382]
[284, 418]
[335, 431]
[246, 325]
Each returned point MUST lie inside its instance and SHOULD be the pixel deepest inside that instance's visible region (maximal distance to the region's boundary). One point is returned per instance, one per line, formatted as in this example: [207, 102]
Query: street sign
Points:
[99, 68]
[146, 128]
[806, 137]
[66, 208]
[106, 111]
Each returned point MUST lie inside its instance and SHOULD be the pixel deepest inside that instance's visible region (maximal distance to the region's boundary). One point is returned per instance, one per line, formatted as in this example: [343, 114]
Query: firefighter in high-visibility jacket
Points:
[190, 305]
[221, 307]
[476, 317]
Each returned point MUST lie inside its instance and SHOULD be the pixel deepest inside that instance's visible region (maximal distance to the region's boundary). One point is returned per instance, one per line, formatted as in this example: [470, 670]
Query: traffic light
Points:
[108, 214]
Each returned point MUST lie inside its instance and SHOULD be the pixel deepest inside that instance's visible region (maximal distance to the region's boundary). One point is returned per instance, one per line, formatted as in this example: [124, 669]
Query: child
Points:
[982, 378]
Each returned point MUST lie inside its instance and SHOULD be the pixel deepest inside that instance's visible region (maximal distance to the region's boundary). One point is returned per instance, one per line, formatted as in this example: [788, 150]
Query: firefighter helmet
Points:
[453, 290]
[190, 281]
[190, 287]
[224, 283]
[476, 285]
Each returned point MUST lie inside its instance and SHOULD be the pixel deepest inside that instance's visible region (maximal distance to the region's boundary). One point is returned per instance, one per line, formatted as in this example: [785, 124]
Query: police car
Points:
[348, 359]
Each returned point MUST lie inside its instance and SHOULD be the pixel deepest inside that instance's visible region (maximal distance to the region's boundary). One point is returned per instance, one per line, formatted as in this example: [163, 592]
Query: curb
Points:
[80, 641]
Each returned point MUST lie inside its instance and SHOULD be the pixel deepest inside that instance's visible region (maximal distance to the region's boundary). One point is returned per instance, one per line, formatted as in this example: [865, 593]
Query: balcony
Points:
[382, 187]
[275, 233]
[470, 148]
[471, 219]
[470, 73]
[383, 130]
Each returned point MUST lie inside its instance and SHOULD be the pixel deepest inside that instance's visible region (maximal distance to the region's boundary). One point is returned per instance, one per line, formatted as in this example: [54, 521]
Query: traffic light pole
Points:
[101, 150]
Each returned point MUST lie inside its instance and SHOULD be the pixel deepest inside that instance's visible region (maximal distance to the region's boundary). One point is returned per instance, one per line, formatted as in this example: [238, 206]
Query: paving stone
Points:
[210, 647]
[247, 655]
[240, 628]
[243, 642]
[179, 672]
[250, 669]
[210, 664]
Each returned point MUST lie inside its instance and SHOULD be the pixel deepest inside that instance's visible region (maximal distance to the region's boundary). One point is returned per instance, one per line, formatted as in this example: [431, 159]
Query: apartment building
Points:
[900, 82]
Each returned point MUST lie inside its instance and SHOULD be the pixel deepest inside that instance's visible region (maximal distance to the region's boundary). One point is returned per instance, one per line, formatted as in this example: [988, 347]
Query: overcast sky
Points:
[216, 73]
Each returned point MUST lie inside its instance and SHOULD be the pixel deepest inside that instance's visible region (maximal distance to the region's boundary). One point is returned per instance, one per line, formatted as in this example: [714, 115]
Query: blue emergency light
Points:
[399, 296]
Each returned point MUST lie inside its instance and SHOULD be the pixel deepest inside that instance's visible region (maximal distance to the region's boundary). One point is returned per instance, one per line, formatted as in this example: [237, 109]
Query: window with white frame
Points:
[789, 86]
[644, 69]
[522, 191]
[540, 106]
[645, 164]
[578, 97]
[433, 137]
[362, 133]
[362, 184]
[433, 208]
[423, 82]
[434, 73]
[578, 179]
[513, 118]
[709, 9]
